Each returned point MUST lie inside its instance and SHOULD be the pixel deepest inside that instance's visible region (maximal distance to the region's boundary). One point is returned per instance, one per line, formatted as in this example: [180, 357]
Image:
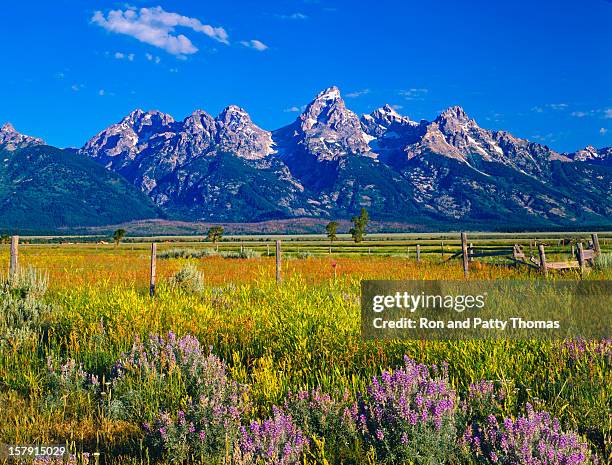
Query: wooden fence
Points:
[516, 255]
[580, 257]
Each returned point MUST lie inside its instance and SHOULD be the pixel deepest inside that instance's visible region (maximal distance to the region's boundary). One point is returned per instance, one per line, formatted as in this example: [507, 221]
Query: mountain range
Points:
[328, 163]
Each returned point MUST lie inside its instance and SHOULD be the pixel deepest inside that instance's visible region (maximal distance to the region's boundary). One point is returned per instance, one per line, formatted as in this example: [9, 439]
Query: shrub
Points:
[185, 253]
[22, 310]
[28, 283]
[482, 401]
[244, 253]
[189, 279]
[408, 416]
[603, 262]
[535, 438]
[321, 416]
[204, 430]
[68, 380]
[303, 255]
[275, 441]
[172, 369]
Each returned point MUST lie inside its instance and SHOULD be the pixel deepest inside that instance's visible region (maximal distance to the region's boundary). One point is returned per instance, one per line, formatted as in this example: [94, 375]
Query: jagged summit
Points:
[7, 127]
[387, 114]
[10, 139]
[590, 154]
[154, 118]
[233, 113]
[329, 162]
[331, 93]
[383, 119]
[326, 129]
[454, 115]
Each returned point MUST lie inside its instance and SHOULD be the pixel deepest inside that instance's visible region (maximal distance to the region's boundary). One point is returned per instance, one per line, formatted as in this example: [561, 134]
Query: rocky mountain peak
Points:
[329, 111]
[141, 120]
[233, 114]
[7, 127]
[11, 139]
[199, 121]
[387, 116]
[591, 154]
[454, 115]
[238, 134]
[329, 129]
[330, 94]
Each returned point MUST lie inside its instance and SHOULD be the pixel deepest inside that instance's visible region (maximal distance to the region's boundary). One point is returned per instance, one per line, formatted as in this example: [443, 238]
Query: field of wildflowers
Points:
[225, 367]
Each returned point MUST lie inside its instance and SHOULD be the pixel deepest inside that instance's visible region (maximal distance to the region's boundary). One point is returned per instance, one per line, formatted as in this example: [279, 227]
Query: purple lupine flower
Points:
[407, 404]
[580, 348]
[535, 438]
[217, 404]
[275, 441]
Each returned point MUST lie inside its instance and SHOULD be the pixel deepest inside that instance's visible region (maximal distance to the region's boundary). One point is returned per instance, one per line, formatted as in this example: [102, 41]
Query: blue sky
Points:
[541, 70]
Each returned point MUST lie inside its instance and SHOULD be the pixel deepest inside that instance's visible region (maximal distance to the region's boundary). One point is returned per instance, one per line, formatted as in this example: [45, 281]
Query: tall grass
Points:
[276, 340]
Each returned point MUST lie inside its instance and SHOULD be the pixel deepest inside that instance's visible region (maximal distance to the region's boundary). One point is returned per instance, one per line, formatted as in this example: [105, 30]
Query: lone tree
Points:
[118, 236]
[332, 230]
[215, 234]
[359, 225]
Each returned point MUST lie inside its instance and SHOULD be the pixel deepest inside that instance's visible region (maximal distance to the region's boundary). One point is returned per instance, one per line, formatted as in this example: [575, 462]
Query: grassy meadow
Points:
[78, 369]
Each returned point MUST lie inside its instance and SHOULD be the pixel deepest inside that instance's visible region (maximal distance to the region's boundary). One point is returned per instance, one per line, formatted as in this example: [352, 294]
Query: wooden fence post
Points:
[14, 264]
[267, 250]
[580, 257]
[442, 248]
[330, 249]
[418, 252]
[471, 252]
[464, 251]
[542, 259]
[278, 262]
[153, 269]
[595, 240]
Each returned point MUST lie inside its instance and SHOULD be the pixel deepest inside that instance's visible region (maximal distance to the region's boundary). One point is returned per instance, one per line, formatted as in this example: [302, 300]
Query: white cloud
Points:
[397, 107]
[358, 93]
[76, 87]
[121, 56]
[603, 131]
[550, 106]
[557, 106]
[155, 59]
[550, 137]
[603, 112]
[298, 15]
[173, 70]
[292, 109]
[414, 93]
[156, 27]
[101, 92]
[254, 44]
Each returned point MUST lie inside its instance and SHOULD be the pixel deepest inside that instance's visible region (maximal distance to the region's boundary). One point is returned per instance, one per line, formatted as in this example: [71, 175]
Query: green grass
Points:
[276, 339]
